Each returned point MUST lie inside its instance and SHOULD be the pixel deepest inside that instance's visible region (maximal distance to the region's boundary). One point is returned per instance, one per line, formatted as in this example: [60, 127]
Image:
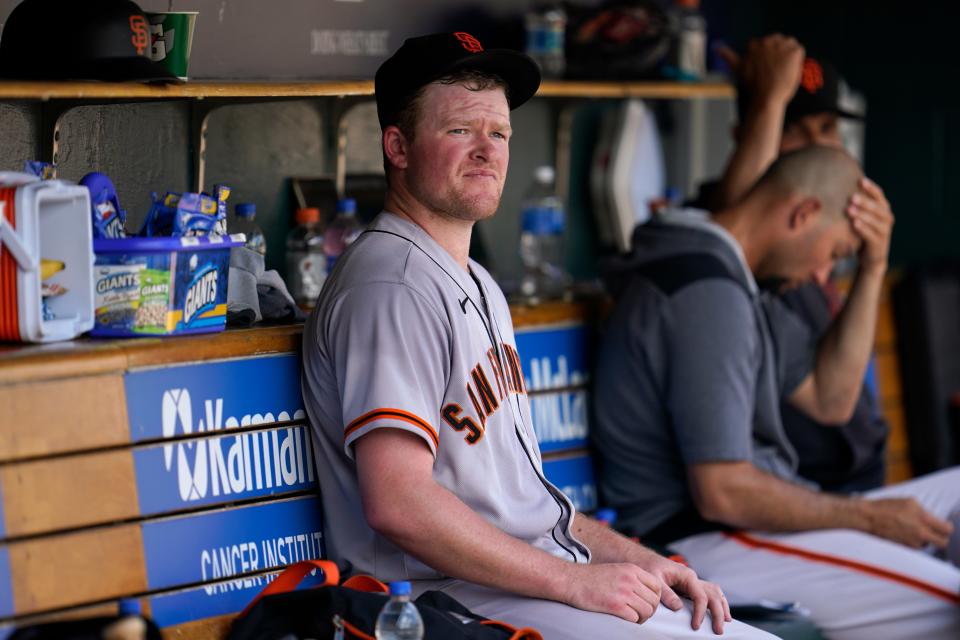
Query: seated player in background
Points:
[787, 101]
[691, 371]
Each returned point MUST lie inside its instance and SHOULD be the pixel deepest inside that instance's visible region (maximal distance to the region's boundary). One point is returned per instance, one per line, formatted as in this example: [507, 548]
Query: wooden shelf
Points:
[197, 90]
[664, 90]
[93, 356]
[307, 89]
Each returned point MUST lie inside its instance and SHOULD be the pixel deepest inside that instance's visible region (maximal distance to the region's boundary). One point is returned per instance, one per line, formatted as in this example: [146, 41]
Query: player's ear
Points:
[804, 213]
[395, 147]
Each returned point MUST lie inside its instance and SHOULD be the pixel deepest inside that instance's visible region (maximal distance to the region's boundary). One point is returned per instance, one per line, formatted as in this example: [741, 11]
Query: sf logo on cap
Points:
[812, 78]
[469, 43]
[141, 36]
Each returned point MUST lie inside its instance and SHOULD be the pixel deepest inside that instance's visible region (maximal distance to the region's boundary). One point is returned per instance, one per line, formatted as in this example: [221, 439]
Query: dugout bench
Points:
[179, 471]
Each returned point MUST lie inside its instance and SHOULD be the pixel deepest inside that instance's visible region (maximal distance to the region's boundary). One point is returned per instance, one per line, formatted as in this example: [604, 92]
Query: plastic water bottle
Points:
[130, 625]
[688, 55]
[306, 265]
[546, 28]
[541, 240]
[399, 618]
[341, 232]
[244, 213]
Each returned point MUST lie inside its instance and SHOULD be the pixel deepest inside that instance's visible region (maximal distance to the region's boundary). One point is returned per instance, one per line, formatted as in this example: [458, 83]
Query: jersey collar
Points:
[393, 223]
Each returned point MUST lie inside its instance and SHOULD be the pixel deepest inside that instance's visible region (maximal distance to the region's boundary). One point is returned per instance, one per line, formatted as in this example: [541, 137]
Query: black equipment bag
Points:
[352, 608]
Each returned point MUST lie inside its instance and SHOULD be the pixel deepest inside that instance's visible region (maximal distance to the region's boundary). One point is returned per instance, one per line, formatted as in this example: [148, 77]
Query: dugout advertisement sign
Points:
[574, 476]
[218, 548]
[233, 402]
[555, 358]
[6, 585]
[222, 468]
[182, 400]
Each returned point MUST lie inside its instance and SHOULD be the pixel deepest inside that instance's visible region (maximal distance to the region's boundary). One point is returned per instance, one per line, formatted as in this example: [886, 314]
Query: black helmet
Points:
[70, 40]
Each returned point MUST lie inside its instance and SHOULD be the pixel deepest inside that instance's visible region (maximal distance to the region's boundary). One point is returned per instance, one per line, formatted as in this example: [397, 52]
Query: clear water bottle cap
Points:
[129, 607]
[308, 215]
[545, 174]
[245, 210]
[400, 588]
[347, 206]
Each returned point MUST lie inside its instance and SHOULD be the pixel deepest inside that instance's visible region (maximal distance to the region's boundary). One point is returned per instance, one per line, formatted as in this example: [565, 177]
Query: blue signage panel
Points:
[574, 476]
[215, 599]
[3, 517]
[6, 584]
[560, 419]
[554, 357]
[235, 465]
[218, 545]
[173, 401]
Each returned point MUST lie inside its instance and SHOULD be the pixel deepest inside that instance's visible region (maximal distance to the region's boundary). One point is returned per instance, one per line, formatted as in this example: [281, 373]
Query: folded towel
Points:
[257, 295]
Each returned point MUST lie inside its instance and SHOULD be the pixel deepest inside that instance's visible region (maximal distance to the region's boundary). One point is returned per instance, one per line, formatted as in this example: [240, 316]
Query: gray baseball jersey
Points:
[403, 338]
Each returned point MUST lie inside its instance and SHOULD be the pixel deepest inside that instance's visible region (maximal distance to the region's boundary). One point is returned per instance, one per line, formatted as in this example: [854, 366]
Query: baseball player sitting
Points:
[787, 101]
[429, 467]
[688, 385]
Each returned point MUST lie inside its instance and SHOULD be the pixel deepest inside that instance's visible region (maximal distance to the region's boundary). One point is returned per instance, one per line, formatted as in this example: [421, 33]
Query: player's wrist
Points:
[563, 582]
[772, 97]
[873, 267]
[863, 515]
[767, 105]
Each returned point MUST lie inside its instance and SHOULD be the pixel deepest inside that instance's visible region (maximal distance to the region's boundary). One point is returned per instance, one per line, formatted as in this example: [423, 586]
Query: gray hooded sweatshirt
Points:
[690, 371]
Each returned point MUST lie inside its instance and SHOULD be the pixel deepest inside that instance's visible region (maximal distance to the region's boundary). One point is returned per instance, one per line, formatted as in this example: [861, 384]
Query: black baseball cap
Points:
[90, 40]
[819, 92]
[421, 60]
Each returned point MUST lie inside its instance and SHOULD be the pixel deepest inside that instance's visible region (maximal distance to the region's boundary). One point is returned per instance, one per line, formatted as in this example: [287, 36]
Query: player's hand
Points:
[770, 69]
[872, 220]
[624, 590]
[903, 520]
[706, 596]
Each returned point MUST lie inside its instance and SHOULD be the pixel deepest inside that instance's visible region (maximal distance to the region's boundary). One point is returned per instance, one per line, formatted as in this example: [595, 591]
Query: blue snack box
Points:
[161, 286]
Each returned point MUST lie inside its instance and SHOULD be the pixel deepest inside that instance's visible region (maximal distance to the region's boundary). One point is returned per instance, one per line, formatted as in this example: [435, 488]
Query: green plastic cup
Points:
[171, 39]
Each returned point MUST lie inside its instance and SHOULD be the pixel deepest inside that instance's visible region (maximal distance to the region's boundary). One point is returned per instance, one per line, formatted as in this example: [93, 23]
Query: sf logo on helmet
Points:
[812, 79]
[469, 43]
[141, 35]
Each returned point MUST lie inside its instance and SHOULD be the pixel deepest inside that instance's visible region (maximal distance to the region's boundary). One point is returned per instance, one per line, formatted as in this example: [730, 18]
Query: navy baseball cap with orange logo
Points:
[90, 40]
[819, 92]
[421, 60]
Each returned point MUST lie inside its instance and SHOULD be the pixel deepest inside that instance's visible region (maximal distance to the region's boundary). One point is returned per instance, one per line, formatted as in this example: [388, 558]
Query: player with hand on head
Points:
[788, 100]
[426, 453]
[688, 386]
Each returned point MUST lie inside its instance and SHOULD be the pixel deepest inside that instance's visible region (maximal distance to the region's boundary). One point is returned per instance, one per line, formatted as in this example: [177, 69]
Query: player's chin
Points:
[479, 206]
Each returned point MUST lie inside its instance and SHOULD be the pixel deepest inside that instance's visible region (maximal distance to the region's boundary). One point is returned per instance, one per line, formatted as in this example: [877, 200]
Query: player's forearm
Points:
[435, 526]
[606, 545]
[757, 147]
[844, 351]
[742, 496]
